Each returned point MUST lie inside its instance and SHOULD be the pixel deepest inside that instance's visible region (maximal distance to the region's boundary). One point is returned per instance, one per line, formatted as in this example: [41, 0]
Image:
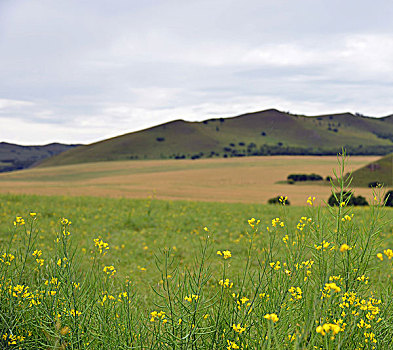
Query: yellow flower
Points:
[226, 283]
[40, 262]
[310, 200]
[225, 253]
[74, 312]
[238, 328]
[19, 221]
[327, 327]
[109, 270]
[252, 222]
[388, 253]
[244, 300]
[283, 199]
[232, 345]
[191, 297]
[296, 293]
[271, 317]
[37, 253]
[101, 245]
[65, 222]
[344, 248]
[380, 256]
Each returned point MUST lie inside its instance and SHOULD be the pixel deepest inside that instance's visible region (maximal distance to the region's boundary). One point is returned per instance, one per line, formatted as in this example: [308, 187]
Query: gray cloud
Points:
[80, 71]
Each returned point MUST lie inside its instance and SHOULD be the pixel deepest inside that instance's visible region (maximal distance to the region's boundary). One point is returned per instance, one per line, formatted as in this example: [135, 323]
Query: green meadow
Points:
[110, 273]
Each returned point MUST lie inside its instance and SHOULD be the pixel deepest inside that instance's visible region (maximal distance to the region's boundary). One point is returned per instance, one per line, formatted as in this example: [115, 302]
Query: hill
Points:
[16, 157]
[380, 171]
[269, 132]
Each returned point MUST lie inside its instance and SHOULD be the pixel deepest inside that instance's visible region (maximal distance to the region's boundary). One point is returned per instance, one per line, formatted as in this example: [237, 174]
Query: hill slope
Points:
[16, 157]
[380, 171]
[260, 133]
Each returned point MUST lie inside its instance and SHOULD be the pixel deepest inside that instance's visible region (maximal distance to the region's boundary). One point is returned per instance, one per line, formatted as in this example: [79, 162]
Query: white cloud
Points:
[12, 104]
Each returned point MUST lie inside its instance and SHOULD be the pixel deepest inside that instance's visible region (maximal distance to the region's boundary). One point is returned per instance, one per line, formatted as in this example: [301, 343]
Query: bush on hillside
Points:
[279, 200]
[348, 198]
[305, 177]
[374, 184]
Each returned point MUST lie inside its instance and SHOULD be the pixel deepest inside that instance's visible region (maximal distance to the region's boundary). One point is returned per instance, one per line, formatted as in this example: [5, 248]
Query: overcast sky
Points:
[81, 71]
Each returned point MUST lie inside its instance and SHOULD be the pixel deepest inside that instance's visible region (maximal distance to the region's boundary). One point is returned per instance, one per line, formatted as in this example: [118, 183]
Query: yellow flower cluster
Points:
[19, 221]
[275, 265]
[158, 316]
[65, 222]
[296, 293]
[363, 278]
[276, 222]
[22, 292]
[109, 270]
[344, 247]
[62, 262]
[327, 327]
[303, 222]
[101, 245]
[6, 258]
[253, 222]
[226, 283]
[328, 288]
[264, 295]
[310, 200]
[225, 253]
[191, 297]
[37, 254]
[283, 200]
[388, 253]
[369, 337]
[347, 218]
[13, 339]
[323, 246]
[232, 345]
[271, 317]
[238, 328]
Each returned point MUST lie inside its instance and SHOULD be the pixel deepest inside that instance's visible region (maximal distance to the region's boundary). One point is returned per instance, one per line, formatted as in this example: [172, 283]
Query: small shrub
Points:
[305, 177]
[389, 199]
[348, 198]
[279, 200]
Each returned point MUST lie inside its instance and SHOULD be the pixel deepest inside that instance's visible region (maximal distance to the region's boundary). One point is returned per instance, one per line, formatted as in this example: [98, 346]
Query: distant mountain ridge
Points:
[16, 157]
[268, 132]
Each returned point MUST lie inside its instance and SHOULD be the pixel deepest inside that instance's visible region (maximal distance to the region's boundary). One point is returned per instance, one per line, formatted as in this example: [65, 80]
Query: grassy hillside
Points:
[263, 133]
[380, 171]
[16, 157]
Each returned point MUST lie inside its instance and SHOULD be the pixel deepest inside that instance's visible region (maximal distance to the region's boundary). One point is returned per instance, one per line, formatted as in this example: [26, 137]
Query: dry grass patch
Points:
[251, 179]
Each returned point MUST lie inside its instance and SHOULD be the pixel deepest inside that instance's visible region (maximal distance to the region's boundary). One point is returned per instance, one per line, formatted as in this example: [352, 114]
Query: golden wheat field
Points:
[251, 179]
